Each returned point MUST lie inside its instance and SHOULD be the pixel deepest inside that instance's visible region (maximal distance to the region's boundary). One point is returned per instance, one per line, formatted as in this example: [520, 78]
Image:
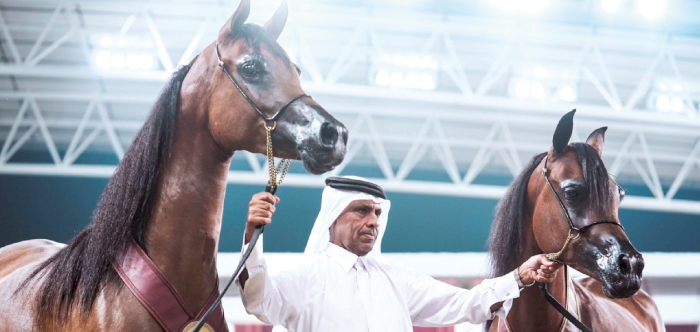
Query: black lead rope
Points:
[561, 309]
[253, 240]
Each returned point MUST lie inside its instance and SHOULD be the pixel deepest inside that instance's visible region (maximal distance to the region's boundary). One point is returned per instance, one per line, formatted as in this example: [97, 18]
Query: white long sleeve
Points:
[337, 291]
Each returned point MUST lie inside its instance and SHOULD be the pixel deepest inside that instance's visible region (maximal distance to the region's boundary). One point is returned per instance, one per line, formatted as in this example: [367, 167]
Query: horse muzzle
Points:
[620, 272]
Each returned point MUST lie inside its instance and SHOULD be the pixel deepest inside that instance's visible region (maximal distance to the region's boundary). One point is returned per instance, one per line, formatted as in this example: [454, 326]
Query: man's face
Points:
[357, 227]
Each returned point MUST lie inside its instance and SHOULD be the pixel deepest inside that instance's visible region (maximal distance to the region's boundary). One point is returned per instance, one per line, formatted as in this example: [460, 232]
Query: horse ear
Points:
[563, 132]
[597, 139]
[276, 23]
[238, 18]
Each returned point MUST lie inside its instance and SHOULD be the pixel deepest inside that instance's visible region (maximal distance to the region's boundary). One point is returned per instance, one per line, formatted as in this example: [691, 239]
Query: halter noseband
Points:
[555, 256]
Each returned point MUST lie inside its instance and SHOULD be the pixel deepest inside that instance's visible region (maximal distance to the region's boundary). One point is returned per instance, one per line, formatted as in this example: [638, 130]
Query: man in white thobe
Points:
[343, 286]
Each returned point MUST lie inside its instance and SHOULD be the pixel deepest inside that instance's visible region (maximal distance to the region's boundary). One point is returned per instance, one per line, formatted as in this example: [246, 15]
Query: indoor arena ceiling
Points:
[458, 90]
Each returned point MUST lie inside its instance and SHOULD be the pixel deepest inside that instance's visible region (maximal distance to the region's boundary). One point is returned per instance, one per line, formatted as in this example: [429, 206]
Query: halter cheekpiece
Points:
[572, 228]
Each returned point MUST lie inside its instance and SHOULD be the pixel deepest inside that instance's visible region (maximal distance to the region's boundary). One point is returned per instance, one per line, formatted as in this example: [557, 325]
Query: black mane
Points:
[506, 238]
[74, 276]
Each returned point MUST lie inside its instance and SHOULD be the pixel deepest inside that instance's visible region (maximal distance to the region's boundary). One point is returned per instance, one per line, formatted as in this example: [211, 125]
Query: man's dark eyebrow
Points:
[298, 69]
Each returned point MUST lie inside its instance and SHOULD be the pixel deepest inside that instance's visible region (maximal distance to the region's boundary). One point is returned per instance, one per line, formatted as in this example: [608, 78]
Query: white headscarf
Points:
[333, 202]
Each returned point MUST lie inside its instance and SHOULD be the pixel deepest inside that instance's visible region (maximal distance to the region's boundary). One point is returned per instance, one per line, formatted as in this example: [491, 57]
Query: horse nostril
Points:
[329, 134]
[624, 262]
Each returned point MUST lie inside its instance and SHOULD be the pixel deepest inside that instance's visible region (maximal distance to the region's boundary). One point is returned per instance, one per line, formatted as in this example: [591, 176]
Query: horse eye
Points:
[621, 192]
[251, 69]
[570, 193]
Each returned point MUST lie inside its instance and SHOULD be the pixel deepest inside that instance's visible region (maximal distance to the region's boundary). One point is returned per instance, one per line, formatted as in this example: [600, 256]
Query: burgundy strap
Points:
[158, 296]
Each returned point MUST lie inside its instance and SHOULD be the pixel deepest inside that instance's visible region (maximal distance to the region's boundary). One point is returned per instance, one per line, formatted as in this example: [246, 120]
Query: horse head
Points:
[258, 85]
[591, 198]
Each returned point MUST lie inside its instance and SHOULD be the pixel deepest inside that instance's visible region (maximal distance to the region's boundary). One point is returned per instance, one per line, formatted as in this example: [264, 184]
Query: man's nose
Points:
[373, 221]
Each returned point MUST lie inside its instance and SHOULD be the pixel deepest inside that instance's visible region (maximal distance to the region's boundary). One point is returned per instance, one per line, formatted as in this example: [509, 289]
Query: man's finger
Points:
[266, 196]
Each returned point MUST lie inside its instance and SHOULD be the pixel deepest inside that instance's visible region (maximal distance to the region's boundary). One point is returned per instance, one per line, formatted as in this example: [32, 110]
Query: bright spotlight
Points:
[537, 90]
[103, 59]
[522, 89]
[411, 80]
[132, 61]
[611, 6]
[145, 61]
[533, 6]
[426, 82]
[106, 42]
[428, 62]
[566, 93]
[676, 104]
[382, 78]
[651, 9]
[117, 60]
[663, 103]
[397, 79]
[536, 6]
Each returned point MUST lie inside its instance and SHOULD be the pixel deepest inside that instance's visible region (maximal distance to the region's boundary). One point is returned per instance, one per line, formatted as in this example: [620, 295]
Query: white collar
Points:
[344, 258]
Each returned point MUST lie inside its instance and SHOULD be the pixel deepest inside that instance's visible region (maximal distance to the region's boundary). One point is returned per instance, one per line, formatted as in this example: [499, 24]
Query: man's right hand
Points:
[260, 211]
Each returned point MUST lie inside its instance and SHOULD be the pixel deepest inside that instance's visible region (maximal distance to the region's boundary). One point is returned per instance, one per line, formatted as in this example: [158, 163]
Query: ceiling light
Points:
[651, 9]
[522, 88]
[426, 82]
[537, 90]
[397, 79]
[611, 6]
[566, 93]
[663, 103]
[411, 80]
[676, 105]
[103, 59]
[382, 78]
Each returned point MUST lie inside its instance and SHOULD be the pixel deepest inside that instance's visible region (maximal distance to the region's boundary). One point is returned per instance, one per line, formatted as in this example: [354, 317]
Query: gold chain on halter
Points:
[555, 256]
[273, 171]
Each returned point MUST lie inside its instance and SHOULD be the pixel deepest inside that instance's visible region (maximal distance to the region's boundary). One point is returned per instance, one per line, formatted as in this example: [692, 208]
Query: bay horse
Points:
[167, 193]
[561, 191]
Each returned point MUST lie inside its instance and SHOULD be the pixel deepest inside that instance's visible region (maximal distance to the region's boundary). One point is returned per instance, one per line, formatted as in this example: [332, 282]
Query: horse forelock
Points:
[596, 178]
[254, 35]
[506, 238]
[73, 278]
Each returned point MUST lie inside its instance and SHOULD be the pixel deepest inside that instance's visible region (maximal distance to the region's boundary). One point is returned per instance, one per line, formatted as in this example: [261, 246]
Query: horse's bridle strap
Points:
[572, 228]
[250, 101]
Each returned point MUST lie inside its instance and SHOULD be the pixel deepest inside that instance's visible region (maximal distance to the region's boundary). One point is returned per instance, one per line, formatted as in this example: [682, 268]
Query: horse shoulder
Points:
[636, 313]
[17, 262]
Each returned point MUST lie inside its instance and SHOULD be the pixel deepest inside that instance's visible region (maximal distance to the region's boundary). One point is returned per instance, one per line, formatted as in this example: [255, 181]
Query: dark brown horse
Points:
[167, 193]
[529, 220]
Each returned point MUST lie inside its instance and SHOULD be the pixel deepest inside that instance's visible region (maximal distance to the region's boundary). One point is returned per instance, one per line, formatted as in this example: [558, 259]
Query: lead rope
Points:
[272, 185]
[555, 255]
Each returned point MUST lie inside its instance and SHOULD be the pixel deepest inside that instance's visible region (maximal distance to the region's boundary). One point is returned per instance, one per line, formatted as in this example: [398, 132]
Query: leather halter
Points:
[555, 256]
[572, 227]
[250, 101]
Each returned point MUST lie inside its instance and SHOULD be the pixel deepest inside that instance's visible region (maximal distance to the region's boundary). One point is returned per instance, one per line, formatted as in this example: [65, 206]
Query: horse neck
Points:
[183, 234]
[531, 312]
